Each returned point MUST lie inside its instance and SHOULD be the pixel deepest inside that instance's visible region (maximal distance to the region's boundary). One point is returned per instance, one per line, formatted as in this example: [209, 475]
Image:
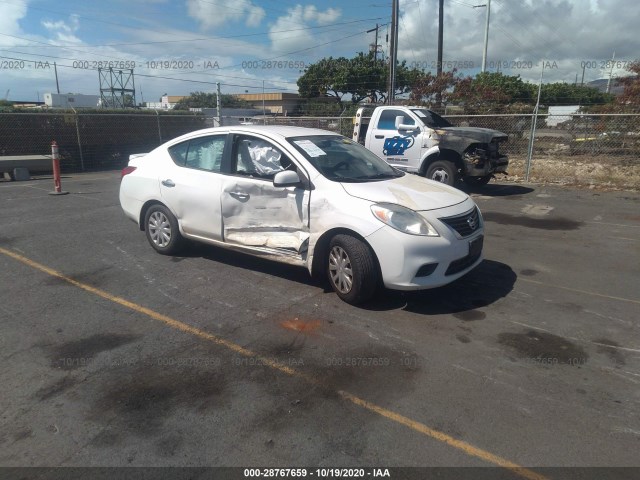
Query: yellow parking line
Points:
[371, 407]
[577, 290]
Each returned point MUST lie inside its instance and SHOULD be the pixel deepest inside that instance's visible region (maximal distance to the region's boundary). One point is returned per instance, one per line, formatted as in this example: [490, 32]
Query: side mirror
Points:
[286, 178]
[402, 126]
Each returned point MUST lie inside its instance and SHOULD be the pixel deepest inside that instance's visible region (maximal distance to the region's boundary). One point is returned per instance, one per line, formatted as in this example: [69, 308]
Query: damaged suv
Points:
[420, 141]
[305, 197]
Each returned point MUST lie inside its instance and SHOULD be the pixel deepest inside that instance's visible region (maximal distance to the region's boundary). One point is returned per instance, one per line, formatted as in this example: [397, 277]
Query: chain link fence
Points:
[90, 141]
[568, 149]
[579, 149]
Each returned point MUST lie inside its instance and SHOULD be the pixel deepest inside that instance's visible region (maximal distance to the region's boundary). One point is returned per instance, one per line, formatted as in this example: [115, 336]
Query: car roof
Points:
[275, 130]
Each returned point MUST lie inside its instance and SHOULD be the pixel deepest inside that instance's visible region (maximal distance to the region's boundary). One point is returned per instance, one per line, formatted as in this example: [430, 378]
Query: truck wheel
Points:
[351, 269]
[477, 181]
[442, 171]
[162, 230]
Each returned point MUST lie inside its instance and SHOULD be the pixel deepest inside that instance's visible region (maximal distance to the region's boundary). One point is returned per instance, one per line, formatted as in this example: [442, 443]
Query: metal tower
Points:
[117, 88]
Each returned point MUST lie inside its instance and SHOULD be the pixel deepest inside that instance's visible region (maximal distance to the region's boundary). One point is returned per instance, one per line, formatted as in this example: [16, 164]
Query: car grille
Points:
[465, 224]
[462, 264]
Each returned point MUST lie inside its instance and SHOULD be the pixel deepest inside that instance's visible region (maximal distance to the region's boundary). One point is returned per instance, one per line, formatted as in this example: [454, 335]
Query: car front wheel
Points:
[351, 269]
[161, 228]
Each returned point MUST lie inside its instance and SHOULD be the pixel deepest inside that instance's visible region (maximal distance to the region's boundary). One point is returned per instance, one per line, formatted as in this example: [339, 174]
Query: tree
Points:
[560, 93]
[426, 88]
[491, 92]
[209, 100]
[630, 97]
[358, 78]
[128, 102]
[366, 78]
[327, 77]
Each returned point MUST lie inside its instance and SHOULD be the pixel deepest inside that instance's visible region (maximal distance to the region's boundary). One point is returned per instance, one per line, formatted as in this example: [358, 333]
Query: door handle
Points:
[379, 136]
[168, 183]
[239, 195]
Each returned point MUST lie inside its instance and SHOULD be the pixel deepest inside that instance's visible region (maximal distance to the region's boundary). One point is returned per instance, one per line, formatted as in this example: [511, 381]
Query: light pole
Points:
[393, 52]
[486, 33]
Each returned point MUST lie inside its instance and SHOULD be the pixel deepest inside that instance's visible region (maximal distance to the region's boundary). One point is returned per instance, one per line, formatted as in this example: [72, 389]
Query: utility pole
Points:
[375, 45]
[393, 53]
[611, 72]
[218, 103]
[55, 69]
[440, 35]
[264, 115]
[486, 37]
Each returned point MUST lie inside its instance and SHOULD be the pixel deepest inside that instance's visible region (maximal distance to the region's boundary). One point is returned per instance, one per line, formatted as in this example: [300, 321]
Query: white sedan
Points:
[305, 197]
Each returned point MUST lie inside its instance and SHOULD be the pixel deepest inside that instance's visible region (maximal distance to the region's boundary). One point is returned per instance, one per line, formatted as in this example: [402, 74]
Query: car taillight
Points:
[126, 171]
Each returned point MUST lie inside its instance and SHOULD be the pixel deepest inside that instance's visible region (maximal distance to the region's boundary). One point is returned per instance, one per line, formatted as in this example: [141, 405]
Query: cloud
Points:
[255, 16]
[523, 33]
[10, 16]
[64, 32]
[311, 14]
[215, 13]
[290, 32]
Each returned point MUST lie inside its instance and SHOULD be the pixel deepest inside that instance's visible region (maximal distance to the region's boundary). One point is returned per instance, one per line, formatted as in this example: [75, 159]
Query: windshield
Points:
[431, 119]
[342, 160]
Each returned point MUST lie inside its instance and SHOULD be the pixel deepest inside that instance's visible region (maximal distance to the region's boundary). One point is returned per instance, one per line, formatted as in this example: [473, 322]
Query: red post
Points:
[55, 157]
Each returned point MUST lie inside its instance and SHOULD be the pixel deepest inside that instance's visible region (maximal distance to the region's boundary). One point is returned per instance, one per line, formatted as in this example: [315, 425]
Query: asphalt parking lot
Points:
[113, 355]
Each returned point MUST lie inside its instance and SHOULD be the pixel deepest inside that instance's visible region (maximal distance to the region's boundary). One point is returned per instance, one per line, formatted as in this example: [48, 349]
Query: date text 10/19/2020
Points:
[316, 472]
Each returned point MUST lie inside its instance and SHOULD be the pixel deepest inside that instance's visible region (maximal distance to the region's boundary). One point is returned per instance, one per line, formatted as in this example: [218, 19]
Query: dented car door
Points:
[257, 214]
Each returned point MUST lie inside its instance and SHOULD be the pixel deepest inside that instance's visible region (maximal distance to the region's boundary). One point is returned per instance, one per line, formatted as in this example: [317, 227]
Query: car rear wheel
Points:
[351, 269]
[162, 230]
[442, 171]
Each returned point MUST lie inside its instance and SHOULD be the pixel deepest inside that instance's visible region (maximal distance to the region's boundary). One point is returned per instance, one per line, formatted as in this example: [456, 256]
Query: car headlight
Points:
[403, 219]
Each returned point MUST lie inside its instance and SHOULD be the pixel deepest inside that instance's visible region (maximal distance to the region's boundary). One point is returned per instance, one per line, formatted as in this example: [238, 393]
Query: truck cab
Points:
[418, 140]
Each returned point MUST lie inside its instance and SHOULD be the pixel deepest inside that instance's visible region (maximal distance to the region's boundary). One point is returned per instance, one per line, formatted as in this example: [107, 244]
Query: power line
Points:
[156, 76]
[200, 39]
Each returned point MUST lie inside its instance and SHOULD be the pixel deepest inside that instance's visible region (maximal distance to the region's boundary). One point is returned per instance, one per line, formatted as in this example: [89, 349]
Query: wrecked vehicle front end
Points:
[478, 147]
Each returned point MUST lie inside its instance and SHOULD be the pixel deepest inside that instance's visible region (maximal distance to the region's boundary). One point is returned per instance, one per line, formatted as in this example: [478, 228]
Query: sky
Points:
[181, 46]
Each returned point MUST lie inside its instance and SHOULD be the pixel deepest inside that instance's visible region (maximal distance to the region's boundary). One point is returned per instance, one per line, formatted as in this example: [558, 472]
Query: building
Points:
[560, 114]
[70, 100]
[273, 103]
[167, 102]
[277, 103]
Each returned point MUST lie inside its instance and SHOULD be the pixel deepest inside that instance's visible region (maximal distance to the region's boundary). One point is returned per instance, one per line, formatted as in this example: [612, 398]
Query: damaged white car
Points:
[305, 197]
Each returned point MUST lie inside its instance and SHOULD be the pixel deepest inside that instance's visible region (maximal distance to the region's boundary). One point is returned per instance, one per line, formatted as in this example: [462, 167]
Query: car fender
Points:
[426, 158]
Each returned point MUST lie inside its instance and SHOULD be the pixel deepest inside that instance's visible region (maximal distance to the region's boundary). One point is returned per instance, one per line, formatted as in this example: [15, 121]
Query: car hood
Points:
[410, 191]
[481, 135]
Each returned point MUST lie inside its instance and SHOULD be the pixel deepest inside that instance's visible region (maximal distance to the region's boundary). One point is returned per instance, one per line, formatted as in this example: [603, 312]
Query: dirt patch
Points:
[544, 348]
[80, 353]
[141, 403]
[529, 272]
[594, 171]
[529, 222]
[298, 325]
[470, 315]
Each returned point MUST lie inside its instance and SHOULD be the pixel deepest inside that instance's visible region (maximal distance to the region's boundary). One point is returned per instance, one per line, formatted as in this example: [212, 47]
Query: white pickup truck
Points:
[420, 141]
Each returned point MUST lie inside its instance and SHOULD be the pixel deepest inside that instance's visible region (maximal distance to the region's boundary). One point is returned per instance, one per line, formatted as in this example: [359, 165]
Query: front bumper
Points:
[488, 167]
[411, 262]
